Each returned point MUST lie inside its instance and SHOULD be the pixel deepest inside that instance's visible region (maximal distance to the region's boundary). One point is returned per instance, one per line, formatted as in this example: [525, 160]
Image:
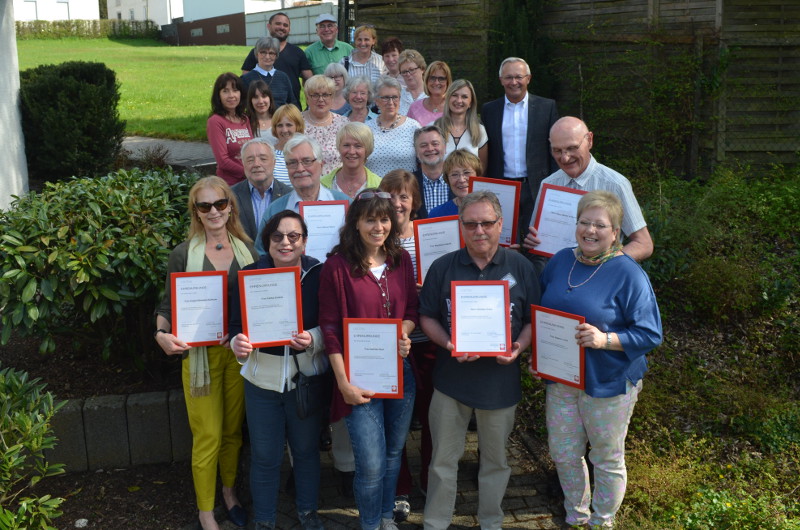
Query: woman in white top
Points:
[321, 123]
[412, 66]
[362, 60]
[460, 124]
[286, 122]
[260, 108]
[394, 133]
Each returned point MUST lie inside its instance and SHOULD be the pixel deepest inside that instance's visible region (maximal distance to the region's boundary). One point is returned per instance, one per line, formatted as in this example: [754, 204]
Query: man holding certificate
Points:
[570, 144]
[606, 287]
[489, 386]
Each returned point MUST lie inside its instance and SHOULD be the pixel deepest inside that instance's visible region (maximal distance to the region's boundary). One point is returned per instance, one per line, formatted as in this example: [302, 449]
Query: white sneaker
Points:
[388, 524]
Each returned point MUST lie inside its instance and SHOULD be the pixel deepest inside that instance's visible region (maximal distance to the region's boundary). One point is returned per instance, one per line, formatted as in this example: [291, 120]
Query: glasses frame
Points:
[473, 225]
[295, 163]
[219, 205]
[372, 194]
[278, 237]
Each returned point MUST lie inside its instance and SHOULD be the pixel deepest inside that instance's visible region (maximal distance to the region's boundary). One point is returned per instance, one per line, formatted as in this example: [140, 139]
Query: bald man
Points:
[570, 144]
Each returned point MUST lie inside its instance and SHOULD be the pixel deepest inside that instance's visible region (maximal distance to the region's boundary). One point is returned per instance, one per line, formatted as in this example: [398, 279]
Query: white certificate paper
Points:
[199, 310]
[372, 361]
[481, 318]
[508, 194]
[434, 238]
[556, 354]
[556, 218]
[271, 310]
[324, 219]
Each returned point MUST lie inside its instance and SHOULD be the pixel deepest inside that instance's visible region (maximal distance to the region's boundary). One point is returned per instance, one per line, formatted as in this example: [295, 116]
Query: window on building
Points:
[196, 32]
[133, 17]
[223, 28]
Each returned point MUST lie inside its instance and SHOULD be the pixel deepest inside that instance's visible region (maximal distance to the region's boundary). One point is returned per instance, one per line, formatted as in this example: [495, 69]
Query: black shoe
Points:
[347, 478]
[325, 441]
[238, 516]
[310, 521]
[416, 425]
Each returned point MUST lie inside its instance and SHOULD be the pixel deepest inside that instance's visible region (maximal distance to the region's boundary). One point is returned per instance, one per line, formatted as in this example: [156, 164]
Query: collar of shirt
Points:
[524, 101]
[580, 182]
[324, 194]
[264, 72]
[498, 258]
[432, 182]
[254, 191]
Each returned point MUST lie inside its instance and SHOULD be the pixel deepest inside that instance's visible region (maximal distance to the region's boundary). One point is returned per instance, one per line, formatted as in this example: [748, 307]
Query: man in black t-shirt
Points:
[291, 60]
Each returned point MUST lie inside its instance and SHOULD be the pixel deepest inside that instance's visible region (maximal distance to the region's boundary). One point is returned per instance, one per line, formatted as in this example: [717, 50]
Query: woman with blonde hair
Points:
[460, 124]
[363, 61]
[339, 75]
[212, 387]
[286, 122]
[436, 79]
[321, 123]
[355, 144]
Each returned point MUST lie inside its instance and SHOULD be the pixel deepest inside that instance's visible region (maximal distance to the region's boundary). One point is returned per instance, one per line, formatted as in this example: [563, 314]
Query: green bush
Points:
[87, 29]
[87, 258]
[25, 414]
[70, 119]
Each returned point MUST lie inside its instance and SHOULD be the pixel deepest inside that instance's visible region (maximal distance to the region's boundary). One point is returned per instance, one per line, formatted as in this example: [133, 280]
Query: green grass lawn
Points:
[165, 90]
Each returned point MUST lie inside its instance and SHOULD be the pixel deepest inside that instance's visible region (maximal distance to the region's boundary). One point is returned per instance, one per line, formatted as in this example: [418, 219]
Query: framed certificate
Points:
[433, 238]
[199, 307]
[556, 355]
[272, 306]
[555, 218]
[324, 219]
[481, 318]
[507, 192]
[371, 357]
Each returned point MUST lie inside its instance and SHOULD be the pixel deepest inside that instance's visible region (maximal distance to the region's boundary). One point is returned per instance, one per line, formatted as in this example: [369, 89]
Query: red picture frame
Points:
[347, 322]
[512, 219]
[174, 279]
[576, 319]
[503, 347]
[243, 303]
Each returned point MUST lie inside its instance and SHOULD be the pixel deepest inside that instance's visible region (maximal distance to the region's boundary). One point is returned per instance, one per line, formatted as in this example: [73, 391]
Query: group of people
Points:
[410, 157]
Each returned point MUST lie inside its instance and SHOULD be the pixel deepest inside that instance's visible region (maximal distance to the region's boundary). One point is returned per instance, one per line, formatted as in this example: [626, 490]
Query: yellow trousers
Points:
[216, 424]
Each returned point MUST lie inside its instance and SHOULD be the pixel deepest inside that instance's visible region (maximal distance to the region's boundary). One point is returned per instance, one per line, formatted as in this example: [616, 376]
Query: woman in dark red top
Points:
[368, 275]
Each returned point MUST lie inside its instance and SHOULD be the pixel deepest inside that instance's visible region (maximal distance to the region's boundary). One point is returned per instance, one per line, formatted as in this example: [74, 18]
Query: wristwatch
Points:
[159, 330]
[608, 340]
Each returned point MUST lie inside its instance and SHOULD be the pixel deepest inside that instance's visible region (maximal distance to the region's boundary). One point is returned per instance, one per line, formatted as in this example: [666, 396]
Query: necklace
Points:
[350, 190]
[569, 277]
[384, 293]
[316, 123]
[390, 127]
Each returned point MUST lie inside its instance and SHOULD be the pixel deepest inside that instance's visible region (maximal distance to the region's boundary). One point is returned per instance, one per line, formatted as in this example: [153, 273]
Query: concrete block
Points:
[70, 448]
[180, 433]
[148, 428]
[106, 431]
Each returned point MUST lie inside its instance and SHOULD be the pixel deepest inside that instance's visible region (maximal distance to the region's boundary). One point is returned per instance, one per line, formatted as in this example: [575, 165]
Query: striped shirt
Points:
[372, 69]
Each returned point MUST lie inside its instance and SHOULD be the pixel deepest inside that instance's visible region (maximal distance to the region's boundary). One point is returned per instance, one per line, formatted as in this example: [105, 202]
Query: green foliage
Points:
[70, 119]
[774, 431]
[25, 414]
[87, 29]
[725, 249]
[87, 257]
[711, 509]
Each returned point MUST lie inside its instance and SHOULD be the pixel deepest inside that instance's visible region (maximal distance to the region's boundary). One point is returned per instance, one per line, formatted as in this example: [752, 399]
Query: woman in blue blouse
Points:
[599, 282]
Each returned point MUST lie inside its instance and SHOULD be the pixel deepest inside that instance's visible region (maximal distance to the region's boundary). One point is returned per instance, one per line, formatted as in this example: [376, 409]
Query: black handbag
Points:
[312, 391]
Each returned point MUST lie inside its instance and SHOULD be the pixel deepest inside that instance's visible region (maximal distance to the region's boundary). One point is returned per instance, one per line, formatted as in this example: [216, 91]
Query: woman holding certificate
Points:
[269, 386]
[610, 290]
[212, 385]
[368, 275]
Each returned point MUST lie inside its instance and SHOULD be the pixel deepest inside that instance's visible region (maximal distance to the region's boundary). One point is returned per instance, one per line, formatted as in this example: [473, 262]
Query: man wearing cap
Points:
[328, 49]
[291, 59]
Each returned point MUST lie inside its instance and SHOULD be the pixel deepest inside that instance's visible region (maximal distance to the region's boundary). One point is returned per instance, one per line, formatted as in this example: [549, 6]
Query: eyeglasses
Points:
[456, 175]
[317, 97]
[437, 78]
[570, 151]
[268, 52]
[336, 76]
[205, 207]
[293, 163]
[409, 71]
[326, 26]
[373, 194]
[517, 78]
[277, 237]
[387, 99]
[473, 225]
[586, 224]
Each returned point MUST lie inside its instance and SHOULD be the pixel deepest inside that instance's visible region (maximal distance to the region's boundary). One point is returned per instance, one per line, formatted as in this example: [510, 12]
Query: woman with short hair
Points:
[359, 95]
[286, 122]
[339, 75]
[391, 49]
[267, 50]
[321, 123]
[458, 168]
[363, 61]
[411, 67]
[355, 144]
[393, 132]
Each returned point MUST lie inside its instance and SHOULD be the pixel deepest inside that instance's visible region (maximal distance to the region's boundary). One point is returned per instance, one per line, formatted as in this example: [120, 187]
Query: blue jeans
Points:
[378, 431]
[271, 419]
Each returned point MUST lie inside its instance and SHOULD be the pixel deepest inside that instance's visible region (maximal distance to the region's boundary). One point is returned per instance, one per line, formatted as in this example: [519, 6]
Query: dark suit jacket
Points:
[422, 213]
[241, 190]
[542, 114]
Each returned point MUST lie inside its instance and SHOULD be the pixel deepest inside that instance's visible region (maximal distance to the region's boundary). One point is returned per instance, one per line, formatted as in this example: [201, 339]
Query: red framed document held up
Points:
[199, 307]
[324, 219]
[272, 305]
[555, 219]
[371, 357]
[480, 318]
[507, 192]
[556, 355]
[434, 238]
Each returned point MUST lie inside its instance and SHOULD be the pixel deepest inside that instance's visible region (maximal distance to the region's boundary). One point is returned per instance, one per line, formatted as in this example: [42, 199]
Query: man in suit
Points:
[518, 126]
[433, 188]
[259, 189]
[291, 60]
